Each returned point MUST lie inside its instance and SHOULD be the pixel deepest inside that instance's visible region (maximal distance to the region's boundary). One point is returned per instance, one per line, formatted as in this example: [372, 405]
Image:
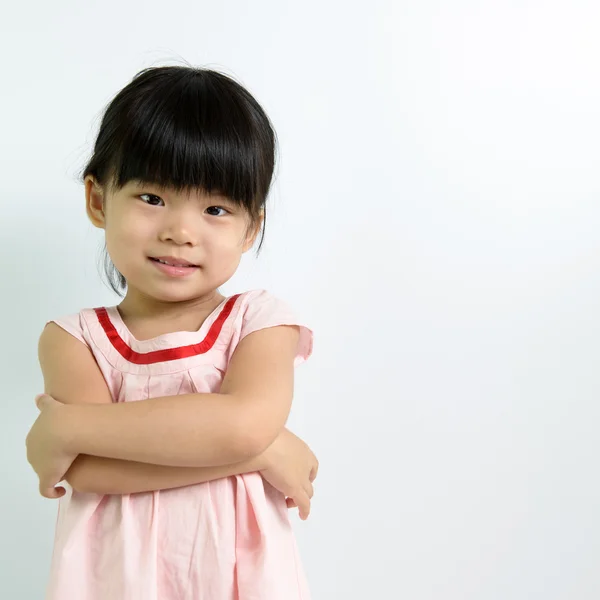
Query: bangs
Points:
[186, 131]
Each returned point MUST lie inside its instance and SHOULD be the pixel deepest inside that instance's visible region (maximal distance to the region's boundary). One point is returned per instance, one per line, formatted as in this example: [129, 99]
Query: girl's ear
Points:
[254, 233]
[94, 202]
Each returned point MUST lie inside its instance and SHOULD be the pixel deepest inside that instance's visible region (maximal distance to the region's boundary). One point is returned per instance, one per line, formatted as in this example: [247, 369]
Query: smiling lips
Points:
[173, 262]
[179, 271]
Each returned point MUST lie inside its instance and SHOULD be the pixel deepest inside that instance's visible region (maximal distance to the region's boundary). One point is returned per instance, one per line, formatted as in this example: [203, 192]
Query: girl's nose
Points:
[180, 230]
[179, 236]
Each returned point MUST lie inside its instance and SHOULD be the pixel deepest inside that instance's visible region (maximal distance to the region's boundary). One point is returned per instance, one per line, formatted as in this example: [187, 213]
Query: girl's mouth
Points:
[173, 271]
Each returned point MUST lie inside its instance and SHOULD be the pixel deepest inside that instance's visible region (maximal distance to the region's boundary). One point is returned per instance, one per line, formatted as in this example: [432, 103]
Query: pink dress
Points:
[228, 539]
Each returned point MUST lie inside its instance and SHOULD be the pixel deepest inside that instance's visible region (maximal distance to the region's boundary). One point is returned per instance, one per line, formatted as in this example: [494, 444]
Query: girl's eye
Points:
[150, 196]
[154, 197]
[218, 208]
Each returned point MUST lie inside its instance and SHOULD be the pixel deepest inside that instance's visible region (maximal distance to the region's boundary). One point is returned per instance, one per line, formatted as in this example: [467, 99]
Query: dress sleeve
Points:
[266, 310]
[71, 324]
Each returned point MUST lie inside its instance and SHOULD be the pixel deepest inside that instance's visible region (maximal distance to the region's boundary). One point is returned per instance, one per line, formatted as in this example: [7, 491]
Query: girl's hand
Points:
[45, 448]
[291, 469]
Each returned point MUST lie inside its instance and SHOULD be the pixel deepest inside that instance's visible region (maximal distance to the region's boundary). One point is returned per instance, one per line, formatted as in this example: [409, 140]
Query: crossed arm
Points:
[170, 441]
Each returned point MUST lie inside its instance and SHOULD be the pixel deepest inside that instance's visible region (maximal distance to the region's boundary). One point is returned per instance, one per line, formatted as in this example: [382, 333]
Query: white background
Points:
[435, 218]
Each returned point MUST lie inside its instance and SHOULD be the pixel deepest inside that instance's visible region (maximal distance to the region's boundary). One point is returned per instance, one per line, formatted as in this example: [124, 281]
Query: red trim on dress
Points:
[168, 354]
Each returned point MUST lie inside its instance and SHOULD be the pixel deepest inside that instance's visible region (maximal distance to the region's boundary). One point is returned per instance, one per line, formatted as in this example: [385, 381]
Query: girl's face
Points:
[143, 221]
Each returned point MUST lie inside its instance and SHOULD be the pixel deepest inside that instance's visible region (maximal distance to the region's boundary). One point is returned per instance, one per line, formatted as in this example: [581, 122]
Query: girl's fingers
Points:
[308, 488]
[45, 400]
[303, 502]
[52, 492]
[314, 470]
[42, 400]
[290, 503]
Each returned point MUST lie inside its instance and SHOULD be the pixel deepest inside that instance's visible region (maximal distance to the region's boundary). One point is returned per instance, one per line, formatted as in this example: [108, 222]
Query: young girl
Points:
[165, 414]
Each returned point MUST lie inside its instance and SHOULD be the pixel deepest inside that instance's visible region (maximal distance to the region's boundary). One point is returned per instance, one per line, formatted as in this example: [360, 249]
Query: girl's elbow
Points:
[255, 438]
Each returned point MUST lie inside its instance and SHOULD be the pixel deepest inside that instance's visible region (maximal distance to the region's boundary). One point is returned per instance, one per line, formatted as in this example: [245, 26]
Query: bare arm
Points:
[191, 430]
[72, 375]
[94, 474]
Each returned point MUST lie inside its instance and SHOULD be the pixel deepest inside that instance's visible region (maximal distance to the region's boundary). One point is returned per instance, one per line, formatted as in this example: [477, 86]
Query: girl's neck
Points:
[147, 319]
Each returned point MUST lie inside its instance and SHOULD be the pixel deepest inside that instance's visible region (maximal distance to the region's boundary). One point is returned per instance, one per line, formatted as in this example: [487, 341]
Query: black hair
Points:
[185, 128]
